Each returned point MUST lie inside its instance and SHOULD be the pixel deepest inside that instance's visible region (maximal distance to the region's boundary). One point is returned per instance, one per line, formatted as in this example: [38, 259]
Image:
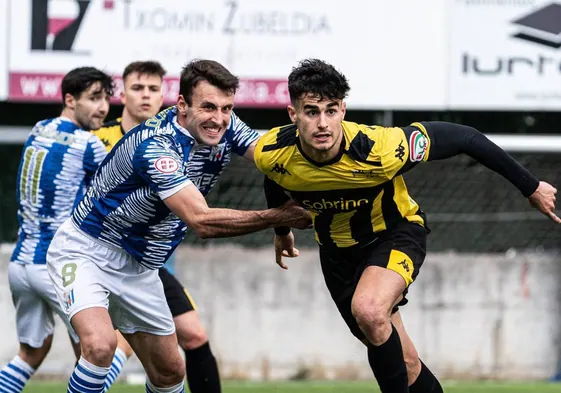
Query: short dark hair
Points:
[206, 70]
[317, 78]
[80, 79]
[144, 68]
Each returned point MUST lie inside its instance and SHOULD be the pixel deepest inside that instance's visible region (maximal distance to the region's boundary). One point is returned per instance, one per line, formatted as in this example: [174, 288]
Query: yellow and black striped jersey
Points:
[359, 193]
[110, 133]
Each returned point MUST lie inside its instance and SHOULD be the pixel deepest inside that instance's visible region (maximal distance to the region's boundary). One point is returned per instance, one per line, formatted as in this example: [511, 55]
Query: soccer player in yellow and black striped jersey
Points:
[142, 98]
[371, 233]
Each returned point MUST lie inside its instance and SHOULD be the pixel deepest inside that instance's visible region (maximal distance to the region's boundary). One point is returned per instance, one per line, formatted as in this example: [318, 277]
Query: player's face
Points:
[142, 95]
[319, 122]
[209, 115]
[91, 108]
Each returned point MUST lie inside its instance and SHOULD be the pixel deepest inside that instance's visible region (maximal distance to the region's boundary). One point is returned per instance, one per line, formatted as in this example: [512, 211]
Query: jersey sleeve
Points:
[94, 155]
[241, 135]
[160, 166]
[402, 148]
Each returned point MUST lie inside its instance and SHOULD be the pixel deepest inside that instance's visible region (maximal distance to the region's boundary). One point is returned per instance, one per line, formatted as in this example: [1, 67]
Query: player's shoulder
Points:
[274, 144]
[278, 138]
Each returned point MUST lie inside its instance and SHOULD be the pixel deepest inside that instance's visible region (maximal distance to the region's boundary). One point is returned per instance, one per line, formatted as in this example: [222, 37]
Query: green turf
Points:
[324, 387]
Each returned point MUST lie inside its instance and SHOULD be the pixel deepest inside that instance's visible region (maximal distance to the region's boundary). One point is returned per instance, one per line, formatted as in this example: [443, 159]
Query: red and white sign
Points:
[45, 87]
[166, 165]
[392, 52]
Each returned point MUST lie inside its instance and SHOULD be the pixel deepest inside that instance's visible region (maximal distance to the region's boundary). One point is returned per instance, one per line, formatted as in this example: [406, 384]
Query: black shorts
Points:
[402, 250]
[177, 296]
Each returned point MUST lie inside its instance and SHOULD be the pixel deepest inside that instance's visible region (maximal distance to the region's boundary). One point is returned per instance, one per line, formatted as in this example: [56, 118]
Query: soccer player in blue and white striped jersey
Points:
[58, 161]
[104, 260]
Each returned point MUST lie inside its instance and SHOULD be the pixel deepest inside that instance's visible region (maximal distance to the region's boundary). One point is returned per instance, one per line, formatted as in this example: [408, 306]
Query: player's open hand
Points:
[284, 247]
[295, 216]
[543, 199]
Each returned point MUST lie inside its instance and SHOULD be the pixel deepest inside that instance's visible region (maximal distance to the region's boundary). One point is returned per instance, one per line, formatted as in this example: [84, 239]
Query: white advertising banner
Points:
[393, 52]
[4, 27]
[505, 55]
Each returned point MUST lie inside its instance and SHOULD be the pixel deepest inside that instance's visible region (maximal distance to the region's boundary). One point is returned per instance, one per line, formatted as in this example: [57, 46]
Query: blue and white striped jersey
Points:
[58, 161]
[124, 205]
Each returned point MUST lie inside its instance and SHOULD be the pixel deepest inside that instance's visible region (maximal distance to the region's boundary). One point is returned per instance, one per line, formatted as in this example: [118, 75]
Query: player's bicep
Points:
[188, 204]
[160, 167]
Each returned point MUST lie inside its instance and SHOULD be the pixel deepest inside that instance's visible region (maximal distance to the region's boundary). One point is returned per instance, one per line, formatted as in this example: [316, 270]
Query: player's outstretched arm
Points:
[449, 139]
[190, 206]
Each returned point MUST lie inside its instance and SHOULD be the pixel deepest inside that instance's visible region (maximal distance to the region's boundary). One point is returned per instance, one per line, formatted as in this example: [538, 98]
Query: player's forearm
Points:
[227, 222]
[275, 197]
[449, 139]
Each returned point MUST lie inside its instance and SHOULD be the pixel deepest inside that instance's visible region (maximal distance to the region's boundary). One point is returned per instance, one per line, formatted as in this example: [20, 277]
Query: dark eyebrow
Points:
[310, 106]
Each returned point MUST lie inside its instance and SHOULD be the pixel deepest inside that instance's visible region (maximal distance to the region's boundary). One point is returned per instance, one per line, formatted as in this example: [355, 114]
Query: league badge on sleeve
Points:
[166, 164]
[418, 145]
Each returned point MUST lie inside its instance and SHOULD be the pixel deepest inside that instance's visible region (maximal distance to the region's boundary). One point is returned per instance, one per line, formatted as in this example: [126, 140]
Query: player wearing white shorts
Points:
[59, 159]
[104, 260]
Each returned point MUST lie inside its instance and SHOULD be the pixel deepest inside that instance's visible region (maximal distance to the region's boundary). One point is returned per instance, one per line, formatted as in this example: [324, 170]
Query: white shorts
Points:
[36, 302]
[87, 274]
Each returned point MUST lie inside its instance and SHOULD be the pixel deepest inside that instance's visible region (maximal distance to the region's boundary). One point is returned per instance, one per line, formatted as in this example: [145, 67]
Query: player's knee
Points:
[191, 337]
[370, 314]
[169, 373]
[99, 349]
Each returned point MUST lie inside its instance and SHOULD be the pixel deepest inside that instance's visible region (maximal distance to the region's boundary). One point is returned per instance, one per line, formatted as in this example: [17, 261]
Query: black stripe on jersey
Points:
[322, 226]
[114, 123]
[390, 212]
[285, 137]
[360, 147]
[362, 228]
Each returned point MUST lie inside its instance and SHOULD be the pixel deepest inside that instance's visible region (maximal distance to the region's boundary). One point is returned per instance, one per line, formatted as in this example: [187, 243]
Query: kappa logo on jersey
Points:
[418, 145]
[166, 165]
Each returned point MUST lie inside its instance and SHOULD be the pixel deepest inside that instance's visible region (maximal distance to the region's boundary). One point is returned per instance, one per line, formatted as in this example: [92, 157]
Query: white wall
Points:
[471, 316]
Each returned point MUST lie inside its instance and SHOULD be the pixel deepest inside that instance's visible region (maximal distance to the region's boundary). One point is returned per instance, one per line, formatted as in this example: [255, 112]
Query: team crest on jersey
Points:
[166, 165]
[69, 298]
[217, 152]
[418, 145]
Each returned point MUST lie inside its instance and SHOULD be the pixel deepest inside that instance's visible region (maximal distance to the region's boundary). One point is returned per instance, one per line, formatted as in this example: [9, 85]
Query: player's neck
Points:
[128, 121]
[69, 114]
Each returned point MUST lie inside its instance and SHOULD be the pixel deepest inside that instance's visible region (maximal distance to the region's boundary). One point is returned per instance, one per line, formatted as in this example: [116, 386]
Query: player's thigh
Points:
[43, 286]
[141, 305]
[75, 263]
[159, 356]
[34, 318]
[341, 275]
[391, 265]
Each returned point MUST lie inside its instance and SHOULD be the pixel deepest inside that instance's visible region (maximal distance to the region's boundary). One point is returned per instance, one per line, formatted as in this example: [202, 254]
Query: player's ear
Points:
[292, 113]
[69, 101]
[122, 95]
[182, 105]
[344, 108]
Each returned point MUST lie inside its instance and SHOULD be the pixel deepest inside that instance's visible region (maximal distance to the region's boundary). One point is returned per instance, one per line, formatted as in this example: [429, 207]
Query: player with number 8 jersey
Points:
[149, 188]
